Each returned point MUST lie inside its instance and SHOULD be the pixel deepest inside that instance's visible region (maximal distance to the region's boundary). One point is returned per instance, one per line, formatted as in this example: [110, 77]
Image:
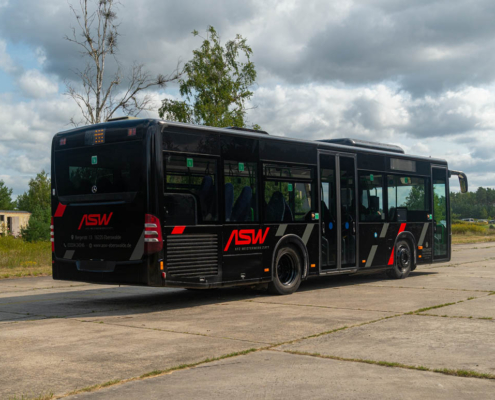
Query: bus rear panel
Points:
[101, 217]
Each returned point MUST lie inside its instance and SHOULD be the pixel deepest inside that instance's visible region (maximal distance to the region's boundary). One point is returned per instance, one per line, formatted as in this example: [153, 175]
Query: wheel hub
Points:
[404, 258]
[286, 270]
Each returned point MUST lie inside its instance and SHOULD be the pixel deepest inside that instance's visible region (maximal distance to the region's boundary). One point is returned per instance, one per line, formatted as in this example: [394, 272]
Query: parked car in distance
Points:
[483, 221]
[492, 221]
[468, 219]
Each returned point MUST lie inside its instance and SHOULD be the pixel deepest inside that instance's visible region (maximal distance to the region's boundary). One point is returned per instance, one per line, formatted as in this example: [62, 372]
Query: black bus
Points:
[157, 203]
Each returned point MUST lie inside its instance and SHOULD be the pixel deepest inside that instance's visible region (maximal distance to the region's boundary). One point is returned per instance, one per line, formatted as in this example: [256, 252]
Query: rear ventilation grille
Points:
[192, 256]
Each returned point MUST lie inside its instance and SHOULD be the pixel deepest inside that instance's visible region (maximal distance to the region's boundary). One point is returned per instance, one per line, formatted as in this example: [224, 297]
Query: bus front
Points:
[103, 229]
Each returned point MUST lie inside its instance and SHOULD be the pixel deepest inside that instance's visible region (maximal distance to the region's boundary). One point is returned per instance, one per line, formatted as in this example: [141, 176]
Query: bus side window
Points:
[196, 176]
[240, 191]
[288, 193]
[408, 196]
[371, 197]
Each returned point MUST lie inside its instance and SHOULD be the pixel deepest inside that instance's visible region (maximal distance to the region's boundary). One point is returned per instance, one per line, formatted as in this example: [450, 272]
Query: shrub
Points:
[38, 228]
[463, 229]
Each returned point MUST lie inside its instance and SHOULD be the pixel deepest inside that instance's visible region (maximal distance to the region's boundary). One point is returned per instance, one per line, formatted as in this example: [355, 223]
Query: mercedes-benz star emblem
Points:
[94, 189]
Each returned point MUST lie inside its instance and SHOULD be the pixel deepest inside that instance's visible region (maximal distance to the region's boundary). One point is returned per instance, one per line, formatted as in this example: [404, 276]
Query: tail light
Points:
[52, 236]
[153, 239]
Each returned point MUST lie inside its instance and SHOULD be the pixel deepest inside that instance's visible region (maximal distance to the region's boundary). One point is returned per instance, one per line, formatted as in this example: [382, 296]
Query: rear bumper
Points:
[119, 273]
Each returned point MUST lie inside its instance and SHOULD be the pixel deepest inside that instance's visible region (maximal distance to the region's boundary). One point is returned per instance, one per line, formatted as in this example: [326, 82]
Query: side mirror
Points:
[463, 181]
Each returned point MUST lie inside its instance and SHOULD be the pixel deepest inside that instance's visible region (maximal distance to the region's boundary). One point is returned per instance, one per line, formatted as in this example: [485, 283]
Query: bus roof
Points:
[344, 144]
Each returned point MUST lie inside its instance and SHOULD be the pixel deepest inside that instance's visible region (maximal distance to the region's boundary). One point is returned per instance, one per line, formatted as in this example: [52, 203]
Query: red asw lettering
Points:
[247, 236]
[95, 220]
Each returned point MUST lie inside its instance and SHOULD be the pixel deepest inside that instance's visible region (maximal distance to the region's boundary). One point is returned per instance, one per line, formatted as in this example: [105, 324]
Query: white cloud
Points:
[35, 84]
[40, 55]
[428, 126]
[6, 62]
[27, 131]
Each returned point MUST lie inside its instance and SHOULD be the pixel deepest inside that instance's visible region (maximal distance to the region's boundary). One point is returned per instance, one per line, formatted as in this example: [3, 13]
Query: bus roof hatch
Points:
[365, 144]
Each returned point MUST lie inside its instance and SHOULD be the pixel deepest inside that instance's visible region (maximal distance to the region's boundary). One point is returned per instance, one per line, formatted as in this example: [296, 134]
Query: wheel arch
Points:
[409, 237]
[299, 244]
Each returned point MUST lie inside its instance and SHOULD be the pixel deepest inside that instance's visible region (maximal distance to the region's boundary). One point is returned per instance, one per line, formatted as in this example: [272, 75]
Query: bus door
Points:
[338, 210]
[441, 218]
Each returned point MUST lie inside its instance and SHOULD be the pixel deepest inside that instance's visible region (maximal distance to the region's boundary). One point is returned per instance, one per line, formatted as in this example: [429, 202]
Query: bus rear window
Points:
[115, 168]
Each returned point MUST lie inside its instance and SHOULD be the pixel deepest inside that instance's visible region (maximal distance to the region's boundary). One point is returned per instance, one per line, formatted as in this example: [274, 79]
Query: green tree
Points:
[215, 86]
[38, 194]
[439, 208]
[38, 228]
[6, 202]
[416, 198]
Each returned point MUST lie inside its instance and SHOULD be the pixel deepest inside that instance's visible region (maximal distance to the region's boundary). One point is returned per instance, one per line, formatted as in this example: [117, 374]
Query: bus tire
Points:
[287, 272]
[404, 261]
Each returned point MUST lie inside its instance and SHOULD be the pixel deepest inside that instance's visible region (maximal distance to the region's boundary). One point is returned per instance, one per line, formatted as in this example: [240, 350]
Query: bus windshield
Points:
[112, 168]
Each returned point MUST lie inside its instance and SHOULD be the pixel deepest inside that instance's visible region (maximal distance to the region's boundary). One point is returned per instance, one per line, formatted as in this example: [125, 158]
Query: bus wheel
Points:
[288, 271]
[403, 261]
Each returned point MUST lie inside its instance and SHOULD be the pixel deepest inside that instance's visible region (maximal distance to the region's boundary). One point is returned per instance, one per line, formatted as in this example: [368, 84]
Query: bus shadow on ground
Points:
[135, 300]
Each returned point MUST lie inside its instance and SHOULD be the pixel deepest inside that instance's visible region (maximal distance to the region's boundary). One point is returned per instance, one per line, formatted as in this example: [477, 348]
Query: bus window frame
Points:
[219, 181]
[427, 197]
[257, 194]
[313, 181]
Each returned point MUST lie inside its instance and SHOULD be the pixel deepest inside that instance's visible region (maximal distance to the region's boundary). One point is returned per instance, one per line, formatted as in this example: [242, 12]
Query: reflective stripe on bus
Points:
[60, 210]
[178, 230]
[391, 259]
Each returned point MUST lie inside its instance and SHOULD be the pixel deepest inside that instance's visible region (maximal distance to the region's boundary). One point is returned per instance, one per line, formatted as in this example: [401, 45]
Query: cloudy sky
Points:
[420, 74]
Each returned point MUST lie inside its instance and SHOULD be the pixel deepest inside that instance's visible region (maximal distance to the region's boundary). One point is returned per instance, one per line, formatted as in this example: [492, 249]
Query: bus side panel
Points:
[296, 234]
[376, 242]
[193, 255]
[202, 256]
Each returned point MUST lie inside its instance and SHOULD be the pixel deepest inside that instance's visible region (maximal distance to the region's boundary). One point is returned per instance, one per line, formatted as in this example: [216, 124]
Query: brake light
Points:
[153, 239]
[52, 236]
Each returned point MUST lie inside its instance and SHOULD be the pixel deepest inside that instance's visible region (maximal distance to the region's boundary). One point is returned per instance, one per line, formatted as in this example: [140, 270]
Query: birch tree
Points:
[98, 95]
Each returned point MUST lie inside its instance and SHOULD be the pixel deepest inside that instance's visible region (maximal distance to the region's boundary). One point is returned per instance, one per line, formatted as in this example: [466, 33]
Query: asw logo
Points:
[95, 220]
[247, 236]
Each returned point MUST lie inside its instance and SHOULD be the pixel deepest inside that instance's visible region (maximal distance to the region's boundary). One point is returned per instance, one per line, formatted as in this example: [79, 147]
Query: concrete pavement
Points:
[62, 336]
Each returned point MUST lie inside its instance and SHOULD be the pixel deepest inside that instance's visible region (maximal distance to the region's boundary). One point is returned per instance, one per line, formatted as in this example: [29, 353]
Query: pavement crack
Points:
[156, 373]
[315, 306]
[172, 331]
[427, 288]
[446, 371]
[456, 316]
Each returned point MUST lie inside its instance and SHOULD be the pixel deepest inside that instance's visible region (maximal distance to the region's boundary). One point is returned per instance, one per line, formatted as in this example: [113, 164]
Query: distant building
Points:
[13, 221]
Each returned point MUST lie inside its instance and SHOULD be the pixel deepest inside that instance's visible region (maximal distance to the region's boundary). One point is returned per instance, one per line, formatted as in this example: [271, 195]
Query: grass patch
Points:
[19, 258]
[463, 373]
[454, 372]
[454, 316]
[467, 239]
[432, 308]
[464, 233]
